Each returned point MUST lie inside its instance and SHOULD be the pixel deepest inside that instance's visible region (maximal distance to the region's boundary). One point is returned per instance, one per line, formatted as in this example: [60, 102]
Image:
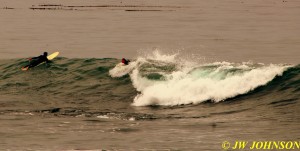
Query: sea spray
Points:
[190, 89]
[161, 80]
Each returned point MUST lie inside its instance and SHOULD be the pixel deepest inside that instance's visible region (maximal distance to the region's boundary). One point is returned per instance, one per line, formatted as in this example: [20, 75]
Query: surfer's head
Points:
[45, 53]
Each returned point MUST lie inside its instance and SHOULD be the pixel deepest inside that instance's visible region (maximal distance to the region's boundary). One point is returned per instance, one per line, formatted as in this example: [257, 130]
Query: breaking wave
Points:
[149, 80]
[169, 80]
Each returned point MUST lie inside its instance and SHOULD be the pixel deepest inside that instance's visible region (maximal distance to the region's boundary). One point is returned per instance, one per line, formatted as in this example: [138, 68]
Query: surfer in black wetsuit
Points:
[124, 61]
[37, 60]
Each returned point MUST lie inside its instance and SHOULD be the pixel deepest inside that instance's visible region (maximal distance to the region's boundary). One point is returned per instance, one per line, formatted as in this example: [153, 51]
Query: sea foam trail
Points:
[121, 70]
[164, 82]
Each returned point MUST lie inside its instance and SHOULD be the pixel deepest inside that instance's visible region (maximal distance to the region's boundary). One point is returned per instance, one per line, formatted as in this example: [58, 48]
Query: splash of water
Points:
[163, 81]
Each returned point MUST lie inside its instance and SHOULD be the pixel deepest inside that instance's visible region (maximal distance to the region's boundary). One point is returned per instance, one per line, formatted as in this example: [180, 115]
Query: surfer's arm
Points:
[46, 60]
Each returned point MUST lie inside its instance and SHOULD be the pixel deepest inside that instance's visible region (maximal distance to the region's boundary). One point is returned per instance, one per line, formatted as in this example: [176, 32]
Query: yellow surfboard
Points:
[53, 55]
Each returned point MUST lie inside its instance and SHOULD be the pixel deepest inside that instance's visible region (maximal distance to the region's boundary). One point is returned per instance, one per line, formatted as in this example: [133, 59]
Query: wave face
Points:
[167, 80]
[155, 79]
[65, 81]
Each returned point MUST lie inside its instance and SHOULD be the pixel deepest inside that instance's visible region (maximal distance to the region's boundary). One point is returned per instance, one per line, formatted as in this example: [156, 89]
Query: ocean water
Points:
[232, 30]
[201, 73]
[155, 102]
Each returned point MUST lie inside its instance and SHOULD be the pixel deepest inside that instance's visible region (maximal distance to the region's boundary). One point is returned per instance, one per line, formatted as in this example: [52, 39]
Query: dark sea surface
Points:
[201, 73]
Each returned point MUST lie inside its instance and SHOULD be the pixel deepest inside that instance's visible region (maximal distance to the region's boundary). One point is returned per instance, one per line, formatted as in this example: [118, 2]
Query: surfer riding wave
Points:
[125, 61]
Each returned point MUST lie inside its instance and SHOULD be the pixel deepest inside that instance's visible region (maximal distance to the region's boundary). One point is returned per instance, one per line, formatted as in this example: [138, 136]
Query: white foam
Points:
[196, 90]
[103, 116]
[120, 70]
[192, 83]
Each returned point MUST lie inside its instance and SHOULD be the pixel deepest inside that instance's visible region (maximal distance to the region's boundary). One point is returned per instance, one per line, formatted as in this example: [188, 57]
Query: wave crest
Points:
[166, 82]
